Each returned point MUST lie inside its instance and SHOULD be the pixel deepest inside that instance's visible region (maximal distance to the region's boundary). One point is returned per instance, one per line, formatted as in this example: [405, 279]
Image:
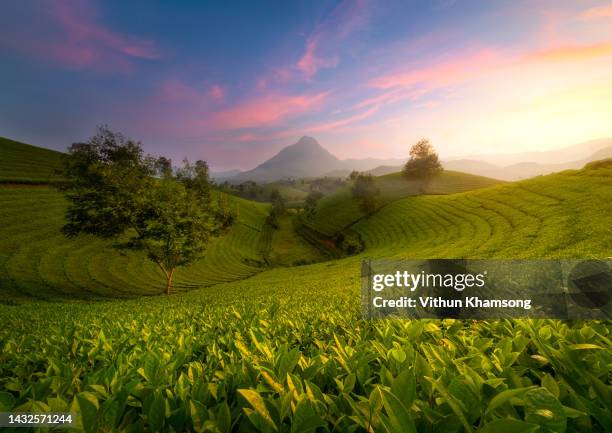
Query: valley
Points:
[266, 318]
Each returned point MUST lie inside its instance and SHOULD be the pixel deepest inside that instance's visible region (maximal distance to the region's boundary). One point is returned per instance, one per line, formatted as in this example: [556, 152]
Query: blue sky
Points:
[232, 84]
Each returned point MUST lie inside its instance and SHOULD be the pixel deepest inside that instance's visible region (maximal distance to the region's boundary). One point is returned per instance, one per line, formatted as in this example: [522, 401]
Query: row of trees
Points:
[117, 192]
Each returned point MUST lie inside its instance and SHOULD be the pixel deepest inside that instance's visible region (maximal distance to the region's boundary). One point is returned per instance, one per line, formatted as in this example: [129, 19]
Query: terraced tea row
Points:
[338, 211]
[23, 163]
[287, 350]
[36, 261]
[542, 217]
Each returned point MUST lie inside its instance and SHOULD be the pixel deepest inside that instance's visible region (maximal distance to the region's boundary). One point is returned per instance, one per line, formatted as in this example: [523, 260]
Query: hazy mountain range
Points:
[307, 158]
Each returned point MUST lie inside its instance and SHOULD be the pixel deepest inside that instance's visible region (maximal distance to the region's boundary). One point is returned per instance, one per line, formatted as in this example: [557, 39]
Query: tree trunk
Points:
[168, 281]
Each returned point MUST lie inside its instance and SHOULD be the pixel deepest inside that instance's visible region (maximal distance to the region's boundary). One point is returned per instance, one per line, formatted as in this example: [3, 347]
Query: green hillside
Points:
[337, 211]
[37, 261]
[286, 350]
[23, 163]
[565, 214]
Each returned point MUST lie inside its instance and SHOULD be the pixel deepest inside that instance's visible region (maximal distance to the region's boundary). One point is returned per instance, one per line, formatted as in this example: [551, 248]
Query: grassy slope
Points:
[222, 336]
[36, 261]
[289, 248]
[338, 211]
[21, 162]
[565, 214]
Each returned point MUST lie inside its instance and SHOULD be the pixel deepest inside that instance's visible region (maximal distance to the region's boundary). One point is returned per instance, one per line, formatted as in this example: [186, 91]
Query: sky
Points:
[234, 82]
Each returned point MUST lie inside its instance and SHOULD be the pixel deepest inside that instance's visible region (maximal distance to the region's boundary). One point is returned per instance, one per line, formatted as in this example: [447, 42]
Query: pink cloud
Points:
[217, 92]
[596, 13]
[572, 52]
[266, 110]
[457, 68]
[327, 126]
[174, 90]
[328, 35]
[73, 37]
[310, 63]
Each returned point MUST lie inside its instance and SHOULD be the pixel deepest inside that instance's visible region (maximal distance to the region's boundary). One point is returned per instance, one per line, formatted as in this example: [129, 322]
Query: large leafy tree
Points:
[365, 191]
[116, 191]
[423, 162]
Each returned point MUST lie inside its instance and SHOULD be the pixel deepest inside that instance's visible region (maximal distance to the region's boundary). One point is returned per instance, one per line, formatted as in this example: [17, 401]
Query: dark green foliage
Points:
[349, 242]
[114, 189]
[312, 199]
[364, 190]
[278, 209]
[278, 203]
[602, 163]
[423, 162]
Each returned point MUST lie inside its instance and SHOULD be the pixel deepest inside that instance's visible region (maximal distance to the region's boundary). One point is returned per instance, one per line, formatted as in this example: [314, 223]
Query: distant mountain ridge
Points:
[307, 158]
[20, 162]
[511, 172]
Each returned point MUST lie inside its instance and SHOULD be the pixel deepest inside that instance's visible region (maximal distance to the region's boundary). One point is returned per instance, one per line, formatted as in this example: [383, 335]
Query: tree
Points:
[116, 191]
[423, 162]
[364, 189]
[312, 199]
[278, 203]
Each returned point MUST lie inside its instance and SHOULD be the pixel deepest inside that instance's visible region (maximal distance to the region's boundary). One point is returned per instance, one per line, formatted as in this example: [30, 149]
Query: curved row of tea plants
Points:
[560, 214]
[38, 262]
[287, 350]
[294, 356]
[339, 210]
[23, 163]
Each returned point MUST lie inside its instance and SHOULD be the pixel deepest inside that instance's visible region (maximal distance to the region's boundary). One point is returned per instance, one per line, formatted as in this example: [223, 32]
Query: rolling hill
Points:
[338, 211]
[38, 262]
[307, 159]
[542, 217]
[285, 348]
[522, 165]
[23, 163]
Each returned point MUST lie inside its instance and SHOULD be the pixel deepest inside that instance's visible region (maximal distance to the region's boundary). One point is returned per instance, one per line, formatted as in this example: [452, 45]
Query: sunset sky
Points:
[233, 82]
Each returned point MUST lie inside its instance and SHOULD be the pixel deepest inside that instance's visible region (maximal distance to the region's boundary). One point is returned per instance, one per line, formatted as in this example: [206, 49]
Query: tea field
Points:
[38, 262]
[23, 163]
[286, 350]
[338, 211]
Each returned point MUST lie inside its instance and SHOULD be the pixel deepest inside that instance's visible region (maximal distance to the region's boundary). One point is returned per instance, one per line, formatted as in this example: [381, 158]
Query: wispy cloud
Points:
[266, 110]
[71, 35]
[596, 13]
[572, 52]
[322, 45]
[311, 62]
[443, 72]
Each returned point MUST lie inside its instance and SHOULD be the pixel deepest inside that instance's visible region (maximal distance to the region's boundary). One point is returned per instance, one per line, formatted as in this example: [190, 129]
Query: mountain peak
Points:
[307, 141]
[305, 158]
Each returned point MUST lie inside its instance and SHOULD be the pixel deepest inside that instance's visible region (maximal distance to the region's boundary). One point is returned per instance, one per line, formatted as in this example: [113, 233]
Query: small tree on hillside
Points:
[278, 202]
[423, 162]
[364, 189]
[313, 197]
[115, 191]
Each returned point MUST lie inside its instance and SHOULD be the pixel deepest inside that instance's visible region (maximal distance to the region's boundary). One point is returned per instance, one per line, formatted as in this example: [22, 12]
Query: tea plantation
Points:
[38, 262]
[286, 349]
[23, 163]
[339, 211]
